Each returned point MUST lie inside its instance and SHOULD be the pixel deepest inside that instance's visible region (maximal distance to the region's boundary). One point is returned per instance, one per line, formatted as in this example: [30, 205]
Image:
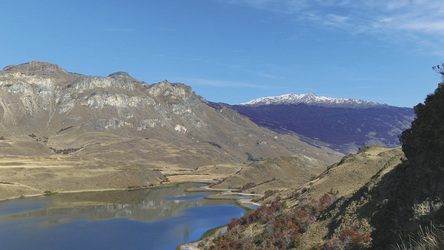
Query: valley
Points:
[64, 131]
[327, 170]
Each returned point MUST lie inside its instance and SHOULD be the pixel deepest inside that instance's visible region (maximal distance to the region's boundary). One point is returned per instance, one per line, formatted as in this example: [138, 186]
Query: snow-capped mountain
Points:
[344, 124]
[312, 99]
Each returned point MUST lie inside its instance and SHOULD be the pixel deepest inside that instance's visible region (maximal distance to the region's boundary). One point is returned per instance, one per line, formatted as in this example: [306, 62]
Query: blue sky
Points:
[236, 50]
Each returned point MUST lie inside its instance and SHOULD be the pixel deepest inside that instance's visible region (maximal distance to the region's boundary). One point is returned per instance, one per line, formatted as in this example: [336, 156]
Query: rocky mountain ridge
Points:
[122, 126]
[48, 92]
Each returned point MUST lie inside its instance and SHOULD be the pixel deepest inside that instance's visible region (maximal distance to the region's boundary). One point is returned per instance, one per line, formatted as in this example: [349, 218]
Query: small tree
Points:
[439, 69]
[423, 143]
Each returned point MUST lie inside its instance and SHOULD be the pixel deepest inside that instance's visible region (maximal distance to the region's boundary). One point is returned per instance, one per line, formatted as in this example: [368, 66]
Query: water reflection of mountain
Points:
[139, 205]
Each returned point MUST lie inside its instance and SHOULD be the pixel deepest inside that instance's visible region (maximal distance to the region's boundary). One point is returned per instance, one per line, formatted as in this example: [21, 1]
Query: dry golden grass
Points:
[428, 238]
[21, 177]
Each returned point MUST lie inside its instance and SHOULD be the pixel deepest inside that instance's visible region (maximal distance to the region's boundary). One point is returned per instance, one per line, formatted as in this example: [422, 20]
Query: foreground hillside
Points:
[316, 214]
[62, 131]
[367, 200]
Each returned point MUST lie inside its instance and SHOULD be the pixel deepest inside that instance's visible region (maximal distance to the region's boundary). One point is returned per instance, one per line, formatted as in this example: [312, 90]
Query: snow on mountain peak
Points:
[312, 99]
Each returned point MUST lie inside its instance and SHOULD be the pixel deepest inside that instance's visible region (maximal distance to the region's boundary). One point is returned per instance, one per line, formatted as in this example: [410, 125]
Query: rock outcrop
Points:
[62, 131]
[121, 118]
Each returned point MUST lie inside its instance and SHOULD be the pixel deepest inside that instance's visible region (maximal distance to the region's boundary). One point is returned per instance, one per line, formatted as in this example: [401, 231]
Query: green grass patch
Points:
[219, 197]
[49, 193]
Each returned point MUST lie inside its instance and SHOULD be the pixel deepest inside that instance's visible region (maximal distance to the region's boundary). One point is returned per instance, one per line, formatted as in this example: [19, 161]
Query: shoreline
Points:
[49, 193]
[33, 192]
[243, 200]
[221, 193]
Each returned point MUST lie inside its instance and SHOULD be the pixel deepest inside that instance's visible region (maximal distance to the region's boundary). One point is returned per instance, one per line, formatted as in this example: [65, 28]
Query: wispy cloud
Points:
[269, 76]
[223, 83]
[421, 19]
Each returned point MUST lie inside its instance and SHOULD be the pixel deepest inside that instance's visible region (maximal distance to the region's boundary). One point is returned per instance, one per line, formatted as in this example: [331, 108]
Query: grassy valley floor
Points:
[33, 176]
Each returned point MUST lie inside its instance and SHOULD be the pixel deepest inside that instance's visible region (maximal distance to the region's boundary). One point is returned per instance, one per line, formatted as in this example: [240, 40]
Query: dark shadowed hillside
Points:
[344, 127]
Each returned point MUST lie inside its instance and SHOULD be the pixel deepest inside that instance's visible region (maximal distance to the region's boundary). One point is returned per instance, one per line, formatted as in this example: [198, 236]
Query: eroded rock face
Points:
[106, 117]
[89, 132]
[50, 95]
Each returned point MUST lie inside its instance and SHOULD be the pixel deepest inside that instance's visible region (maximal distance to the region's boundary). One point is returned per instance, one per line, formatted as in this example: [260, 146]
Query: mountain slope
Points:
[342, 124]
[120, 122]
[273, 174]
[333, 211]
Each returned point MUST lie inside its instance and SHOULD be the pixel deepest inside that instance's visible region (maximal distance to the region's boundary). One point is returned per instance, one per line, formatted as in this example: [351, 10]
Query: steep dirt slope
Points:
[353, 179]
[353, 171]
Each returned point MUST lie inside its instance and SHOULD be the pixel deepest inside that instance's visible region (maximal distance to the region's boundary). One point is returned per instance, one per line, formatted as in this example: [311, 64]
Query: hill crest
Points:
[312, 99]
[46, 111]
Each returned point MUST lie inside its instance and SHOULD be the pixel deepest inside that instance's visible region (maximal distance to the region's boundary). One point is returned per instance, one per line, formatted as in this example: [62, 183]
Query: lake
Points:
[159, 218]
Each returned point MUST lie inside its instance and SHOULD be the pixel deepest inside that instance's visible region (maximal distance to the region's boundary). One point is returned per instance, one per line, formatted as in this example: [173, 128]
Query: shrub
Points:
[234, 223]
[426, 209]
[326, 200]
[49, 193]
[350, 238]
[248, 186]
[283, 227]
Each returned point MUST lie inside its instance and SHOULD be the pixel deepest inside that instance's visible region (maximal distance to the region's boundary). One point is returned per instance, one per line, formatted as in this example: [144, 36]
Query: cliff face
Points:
[39, 92]
[119, 117]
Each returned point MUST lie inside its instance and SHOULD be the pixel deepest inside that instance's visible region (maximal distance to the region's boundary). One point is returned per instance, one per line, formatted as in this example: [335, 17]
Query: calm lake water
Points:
[140, 219]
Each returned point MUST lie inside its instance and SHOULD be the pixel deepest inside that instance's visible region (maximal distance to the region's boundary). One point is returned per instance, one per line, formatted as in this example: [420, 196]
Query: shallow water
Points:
[141, 219]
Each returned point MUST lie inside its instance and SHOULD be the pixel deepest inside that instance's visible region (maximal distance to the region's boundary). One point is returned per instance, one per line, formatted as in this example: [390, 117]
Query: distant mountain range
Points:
[342, 124]
[314, 100]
